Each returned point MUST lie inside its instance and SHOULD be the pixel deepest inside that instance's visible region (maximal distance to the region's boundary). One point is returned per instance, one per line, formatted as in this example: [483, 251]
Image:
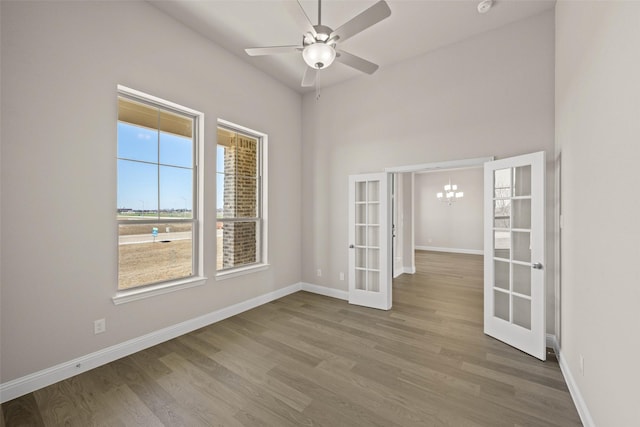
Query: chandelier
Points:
[450, 194]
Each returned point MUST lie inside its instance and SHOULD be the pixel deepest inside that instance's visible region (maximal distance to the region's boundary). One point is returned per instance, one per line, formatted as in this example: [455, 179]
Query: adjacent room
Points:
[319, 212]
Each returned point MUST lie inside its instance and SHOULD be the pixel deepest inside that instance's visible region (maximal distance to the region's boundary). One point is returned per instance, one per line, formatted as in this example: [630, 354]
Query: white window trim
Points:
[199, 278]
[160, 289]
[264, 262]
[241, 271]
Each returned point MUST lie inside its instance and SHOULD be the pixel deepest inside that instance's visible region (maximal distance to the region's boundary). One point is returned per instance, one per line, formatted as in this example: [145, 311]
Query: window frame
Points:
[262, 203]
[197, 278]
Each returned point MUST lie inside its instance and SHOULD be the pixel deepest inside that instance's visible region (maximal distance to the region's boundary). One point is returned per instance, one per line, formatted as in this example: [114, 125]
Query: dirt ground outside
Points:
[151, 262]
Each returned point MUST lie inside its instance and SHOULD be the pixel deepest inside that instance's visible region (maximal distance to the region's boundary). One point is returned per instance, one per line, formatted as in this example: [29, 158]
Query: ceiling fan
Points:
[319, 42]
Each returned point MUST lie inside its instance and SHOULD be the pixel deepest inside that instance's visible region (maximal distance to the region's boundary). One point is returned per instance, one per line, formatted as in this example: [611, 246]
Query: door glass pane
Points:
[501, 305]
[361, 235]
[522, 312]
[361, 258]
[373, 238]
[373, 278]
[361, 191]
[502, 183]
[361, 279]
[522, 181]
[502, 244]
[501, 213]
[361, 214]
[373, 256]
[522, 213]
[502, 274]
[373, 213]
[372, 187]
[522, 279]
[522, 246]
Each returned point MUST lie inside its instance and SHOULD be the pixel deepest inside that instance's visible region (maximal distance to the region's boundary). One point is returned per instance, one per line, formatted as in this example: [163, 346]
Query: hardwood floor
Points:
[308, 360]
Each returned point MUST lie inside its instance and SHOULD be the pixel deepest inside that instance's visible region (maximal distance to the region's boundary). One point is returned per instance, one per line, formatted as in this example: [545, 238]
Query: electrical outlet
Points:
[581, 365]
[99, 326]
[319, 273]
[341, 276]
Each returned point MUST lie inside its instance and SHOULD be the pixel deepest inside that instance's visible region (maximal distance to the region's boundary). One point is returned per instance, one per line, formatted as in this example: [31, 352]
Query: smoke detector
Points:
[484, 6]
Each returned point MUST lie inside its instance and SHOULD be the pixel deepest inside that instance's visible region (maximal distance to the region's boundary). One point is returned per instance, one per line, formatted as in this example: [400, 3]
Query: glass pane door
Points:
[514, 285]
[367, 246]
[369, 264]
[512, 245]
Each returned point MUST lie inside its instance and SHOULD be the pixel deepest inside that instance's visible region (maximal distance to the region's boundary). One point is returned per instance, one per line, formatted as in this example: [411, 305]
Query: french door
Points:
[514, 256]
[369, 241]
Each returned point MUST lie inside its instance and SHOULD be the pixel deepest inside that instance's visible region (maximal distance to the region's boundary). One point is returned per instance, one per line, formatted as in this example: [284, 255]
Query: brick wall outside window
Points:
[240, 201]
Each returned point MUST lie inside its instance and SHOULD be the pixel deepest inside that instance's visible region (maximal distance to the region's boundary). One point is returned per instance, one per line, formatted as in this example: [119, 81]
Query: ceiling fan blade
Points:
[272, 50]
[309, 77]
[364, 20]
[300, 16]
[356, 62]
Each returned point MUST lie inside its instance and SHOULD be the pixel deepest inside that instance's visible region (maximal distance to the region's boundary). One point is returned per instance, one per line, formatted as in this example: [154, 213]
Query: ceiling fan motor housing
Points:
[323, 32]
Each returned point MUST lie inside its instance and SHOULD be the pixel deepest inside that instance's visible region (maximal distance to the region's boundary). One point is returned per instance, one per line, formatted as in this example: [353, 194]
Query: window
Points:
[158, 233]
[240, 206]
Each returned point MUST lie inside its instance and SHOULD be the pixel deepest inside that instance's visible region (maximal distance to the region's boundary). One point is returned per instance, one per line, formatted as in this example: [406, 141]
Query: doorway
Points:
[405, 212]
[513, 200]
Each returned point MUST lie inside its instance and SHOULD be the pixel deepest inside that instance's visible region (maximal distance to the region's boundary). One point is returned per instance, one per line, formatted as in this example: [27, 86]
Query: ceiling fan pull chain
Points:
[318, 87]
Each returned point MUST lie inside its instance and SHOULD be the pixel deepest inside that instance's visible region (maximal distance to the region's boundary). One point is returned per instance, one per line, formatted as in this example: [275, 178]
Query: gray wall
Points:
[487, 96]
[597, 137]
[458, 226]
[61, 63]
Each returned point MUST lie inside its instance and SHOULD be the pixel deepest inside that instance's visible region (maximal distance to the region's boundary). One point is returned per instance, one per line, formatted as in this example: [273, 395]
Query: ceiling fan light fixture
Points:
[319, 55]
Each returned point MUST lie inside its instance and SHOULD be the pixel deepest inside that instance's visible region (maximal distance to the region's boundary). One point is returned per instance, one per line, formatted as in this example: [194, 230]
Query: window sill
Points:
[241, 271]
[129, 295]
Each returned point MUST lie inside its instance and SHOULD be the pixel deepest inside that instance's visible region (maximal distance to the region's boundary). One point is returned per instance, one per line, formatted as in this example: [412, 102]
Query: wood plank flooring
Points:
[309, 360]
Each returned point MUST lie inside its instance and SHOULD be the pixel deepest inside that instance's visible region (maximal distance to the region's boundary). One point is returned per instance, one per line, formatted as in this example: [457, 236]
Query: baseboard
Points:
[452, 250]
[404, 270]
[323, 290]
[37, 380]
[578, 400]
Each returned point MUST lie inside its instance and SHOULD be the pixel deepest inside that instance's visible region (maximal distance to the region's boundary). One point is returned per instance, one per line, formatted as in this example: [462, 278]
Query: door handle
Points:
[537, 265]
[351, 246]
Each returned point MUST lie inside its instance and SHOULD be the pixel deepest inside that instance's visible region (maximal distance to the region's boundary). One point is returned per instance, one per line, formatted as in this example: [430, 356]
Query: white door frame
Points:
[397, 221]
[434, 166]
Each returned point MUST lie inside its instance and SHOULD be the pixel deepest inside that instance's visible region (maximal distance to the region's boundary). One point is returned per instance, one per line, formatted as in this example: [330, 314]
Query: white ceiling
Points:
[414, 28]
